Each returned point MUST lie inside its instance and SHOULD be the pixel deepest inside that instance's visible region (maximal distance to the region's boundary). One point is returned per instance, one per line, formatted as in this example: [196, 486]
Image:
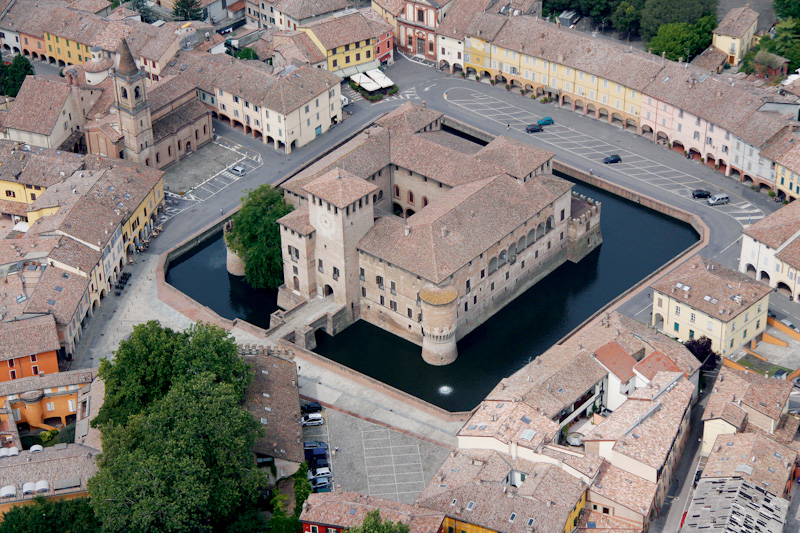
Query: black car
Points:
[700, 193]
[311, 407]
[318, 463]
[697, 476]
[612, 159]
[771, 314]
[533, 128]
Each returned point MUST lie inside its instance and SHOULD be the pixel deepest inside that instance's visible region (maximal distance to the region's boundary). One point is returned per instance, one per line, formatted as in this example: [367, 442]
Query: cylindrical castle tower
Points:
[233, 262]
[439, 319]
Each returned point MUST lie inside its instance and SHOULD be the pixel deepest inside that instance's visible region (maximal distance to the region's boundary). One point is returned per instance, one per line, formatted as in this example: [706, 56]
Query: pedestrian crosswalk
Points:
[353, 95]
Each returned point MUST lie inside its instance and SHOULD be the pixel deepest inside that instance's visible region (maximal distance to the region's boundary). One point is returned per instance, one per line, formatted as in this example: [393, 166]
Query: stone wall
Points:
[584, 230]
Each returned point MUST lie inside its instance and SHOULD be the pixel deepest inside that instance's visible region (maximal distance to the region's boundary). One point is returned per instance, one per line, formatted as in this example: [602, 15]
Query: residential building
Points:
[418, 24]
[735, 32]
[770, 248]
[29, 347]
[349, 40]
[735, 506]
[45, 401]
[273, 399]
[619, 500]
[260, 13]
[338, 512]
[479, 490]
[784, 150]
[703, 298]
[753, 458]
[740, 400]
[389, 10]
[646, 435]
[451, 34]
[286, 47]
[285, 108]
[291, 14]
[517, 214]
[70, 36]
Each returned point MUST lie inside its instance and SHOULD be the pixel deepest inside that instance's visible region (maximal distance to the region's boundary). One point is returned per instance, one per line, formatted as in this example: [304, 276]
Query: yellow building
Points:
[389, 10]
[740, 399]
[703, 298]
[499, 47]
[348, 41]
[735, 33]
[784, 150]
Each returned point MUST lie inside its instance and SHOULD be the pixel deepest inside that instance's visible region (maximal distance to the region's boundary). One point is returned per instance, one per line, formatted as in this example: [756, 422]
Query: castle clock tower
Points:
[133, 109]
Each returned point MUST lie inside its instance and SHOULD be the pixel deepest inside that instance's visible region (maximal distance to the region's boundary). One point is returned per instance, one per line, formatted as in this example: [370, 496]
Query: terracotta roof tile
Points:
[60, 293]
[777, 228]
[340, 188]
[711, 288]
[616, 360]
[737, 22]
[54, 380]
[742, 391]
[461, 14]
[624, 488]
[298, 221]
[39, 104]
[653, 364]
[337, 31]
[72, 253]
[510, 422]
[346, 510]
[710, 59]
[303, 9]
[31, 336]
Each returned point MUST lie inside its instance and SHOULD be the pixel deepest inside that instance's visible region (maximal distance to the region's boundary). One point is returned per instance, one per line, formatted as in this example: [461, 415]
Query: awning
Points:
[347, 72]
[380, 78]
[365, 82]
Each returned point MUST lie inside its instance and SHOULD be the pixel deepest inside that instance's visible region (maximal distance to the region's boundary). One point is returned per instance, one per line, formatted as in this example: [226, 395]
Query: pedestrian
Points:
[508, 127]
[220, 211]
[591, 172]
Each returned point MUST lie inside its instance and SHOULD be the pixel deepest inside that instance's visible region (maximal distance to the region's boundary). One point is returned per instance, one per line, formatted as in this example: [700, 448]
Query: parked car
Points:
[320, 483]
[239, 170]
[311, 444]
[546, 121]
[533, 128]
[345, 100]
[312, 419]
[321, 462]
[612, 159]
[319, 472]
[311, 407]
[697, 476]
[718, 199]
[316, 454]
[789, 325]
[771, 314]
[700, 193]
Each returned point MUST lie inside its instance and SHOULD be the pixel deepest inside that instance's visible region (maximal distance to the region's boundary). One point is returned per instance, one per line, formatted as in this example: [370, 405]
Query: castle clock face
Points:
[326, 223]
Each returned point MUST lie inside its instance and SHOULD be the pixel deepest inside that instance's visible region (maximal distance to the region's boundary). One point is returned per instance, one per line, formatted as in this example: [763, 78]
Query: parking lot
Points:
[374, 460]
[595, 149]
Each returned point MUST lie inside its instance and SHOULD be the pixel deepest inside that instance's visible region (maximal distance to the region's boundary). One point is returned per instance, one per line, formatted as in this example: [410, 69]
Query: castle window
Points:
[410, 197]
[562, 214]
[468, 287]
[483, 273]
[363, 292]
[410, 313]
[396, 191]
[393, 305]
[378, 280]
[361, 274]
[124, 93]
[319, 266]
[424, 201]
[137, 92]
[383, 300]
[466, 306]
[335, 273]
[393, 288]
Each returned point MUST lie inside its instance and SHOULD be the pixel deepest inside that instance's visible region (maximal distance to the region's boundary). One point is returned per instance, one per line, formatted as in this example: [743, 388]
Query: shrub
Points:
[493, 81]
[522, 92]
[392, 90]
[477, 77]
[508, 87]
[463, 74]
[771, 194]
[47, 436]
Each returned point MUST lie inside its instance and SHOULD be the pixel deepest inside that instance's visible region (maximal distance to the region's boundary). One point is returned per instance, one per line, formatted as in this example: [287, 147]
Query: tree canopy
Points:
[255, 236]
[374, 524]
[657, 13]
[246, 53]
[682, 40]
[785, 43]
[701, 349]
[13, 76]
[184, 465]
[51, 516]
[187, 10]
[786, 8]
[155, 358]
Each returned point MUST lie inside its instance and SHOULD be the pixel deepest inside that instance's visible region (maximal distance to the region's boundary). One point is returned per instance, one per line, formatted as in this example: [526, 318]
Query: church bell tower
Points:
[133, 109]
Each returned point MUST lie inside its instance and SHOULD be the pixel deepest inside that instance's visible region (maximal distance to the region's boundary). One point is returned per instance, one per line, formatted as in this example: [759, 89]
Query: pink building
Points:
[417, 25]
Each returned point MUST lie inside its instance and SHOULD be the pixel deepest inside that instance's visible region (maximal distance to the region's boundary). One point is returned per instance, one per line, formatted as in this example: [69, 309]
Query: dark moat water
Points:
[636, 242]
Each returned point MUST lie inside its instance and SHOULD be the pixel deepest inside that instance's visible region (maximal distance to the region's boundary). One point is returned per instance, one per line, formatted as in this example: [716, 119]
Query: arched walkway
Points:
[492, 266]
[747, 180]
[750, 270]
[678, 147]
[397, 209]
[630, 125]
[694, 154]
[659, 321]
[764, 277]
[549, 226]
[327, 290]
[784, 289]
[409, 213]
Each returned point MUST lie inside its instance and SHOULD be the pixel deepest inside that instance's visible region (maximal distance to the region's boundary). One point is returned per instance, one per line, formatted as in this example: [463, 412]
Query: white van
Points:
[345, 100]
[718, 199]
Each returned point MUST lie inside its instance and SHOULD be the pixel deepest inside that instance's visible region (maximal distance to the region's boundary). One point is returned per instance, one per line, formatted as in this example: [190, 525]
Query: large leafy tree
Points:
[626, 17]
[51, 516]
[187, 10]
[255, 236]
[785, 43]
[155, 358]
[13, 76]
[682, 40]
[374, 524]
[246, 53]
[184, 465]
[657, 13]
[786, 8]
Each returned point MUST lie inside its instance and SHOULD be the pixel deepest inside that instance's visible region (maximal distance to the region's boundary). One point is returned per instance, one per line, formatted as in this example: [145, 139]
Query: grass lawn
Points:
[757, 365]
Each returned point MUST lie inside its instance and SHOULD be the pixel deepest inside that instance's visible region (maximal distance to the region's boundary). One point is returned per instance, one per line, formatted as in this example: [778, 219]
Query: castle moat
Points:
[636, 242]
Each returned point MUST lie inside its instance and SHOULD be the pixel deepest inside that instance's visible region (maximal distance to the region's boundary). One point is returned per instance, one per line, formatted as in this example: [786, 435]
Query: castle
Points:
[426, 227]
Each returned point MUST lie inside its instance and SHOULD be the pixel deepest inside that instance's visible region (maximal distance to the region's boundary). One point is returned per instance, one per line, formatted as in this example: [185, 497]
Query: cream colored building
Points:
[395, 199]
[703, 298]
[735, 32]
[771, 250]
[740, 400]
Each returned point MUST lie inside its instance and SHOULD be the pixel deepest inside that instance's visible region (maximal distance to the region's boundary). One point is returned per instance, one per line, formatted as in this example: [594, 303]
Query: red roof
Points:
[654, 363]
[616, 360]
[238, 6]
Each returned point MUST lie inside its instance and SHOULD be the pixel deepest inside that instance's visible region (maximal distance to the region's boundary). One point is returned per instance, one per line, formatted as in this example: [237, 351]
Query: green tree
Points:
[280, 522]
[154, 358]
[785, 43]
[184, 465]
[682, 40]
[141, 7]
[786, 8]
[657, 13]
[246, 53]
[255, 236]
[302, 489]
[51, 516]
[187, 10]
[13, 76]
[626, 18]
[597, 9]
[701, 349]
[373, 524]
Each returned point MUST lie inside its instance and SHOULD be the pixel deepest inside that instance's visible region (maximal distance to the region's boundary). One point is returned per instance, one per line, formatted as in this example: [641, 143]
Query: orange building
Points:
[44, 401]
[28, 347]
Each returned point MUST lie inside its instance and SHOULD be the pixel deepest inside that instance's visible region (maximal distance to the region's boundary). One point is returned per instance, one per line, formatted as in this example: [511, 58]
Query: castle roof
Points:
[339, 187]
